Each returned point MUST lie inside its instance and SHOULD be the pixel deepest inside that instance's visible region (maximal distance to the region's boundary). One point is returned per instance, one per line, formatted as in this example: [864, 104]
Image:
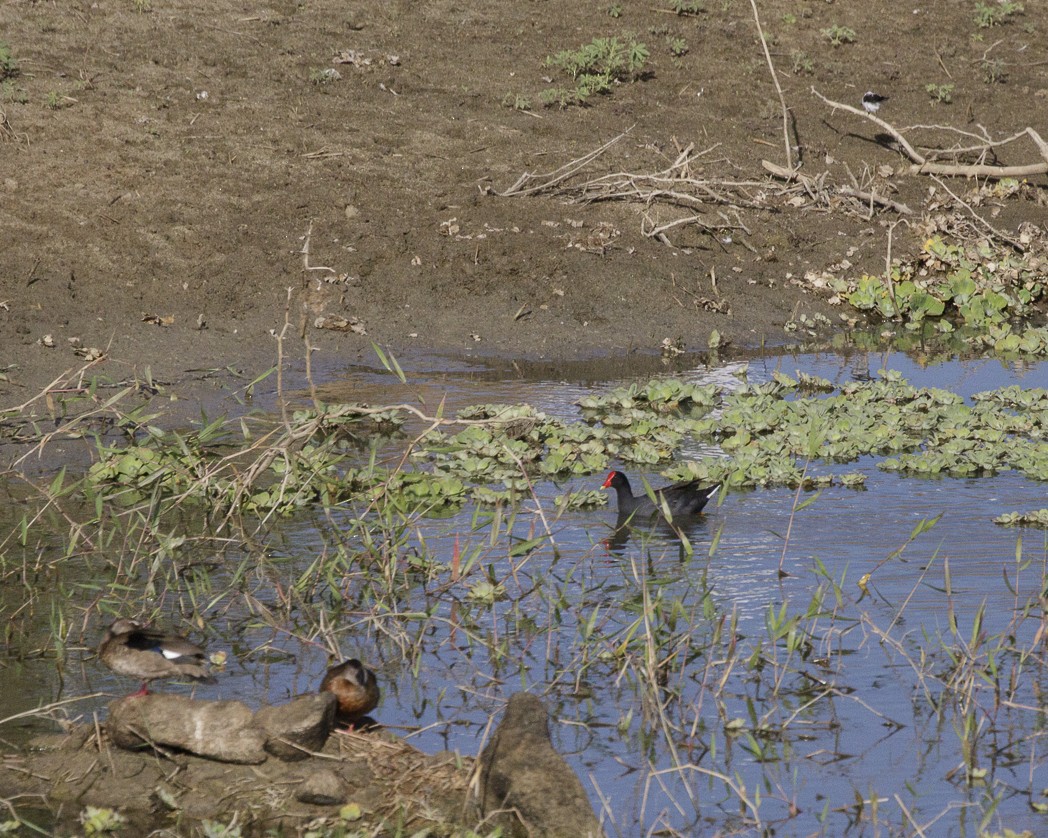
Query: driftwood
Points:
[922, 164]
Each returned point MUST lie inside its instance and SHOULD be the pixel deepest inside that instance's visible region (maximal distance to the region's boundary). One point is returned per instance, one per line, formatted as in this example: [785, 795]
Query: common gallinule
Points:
[355, 687]
[682, 499]
[130, 648]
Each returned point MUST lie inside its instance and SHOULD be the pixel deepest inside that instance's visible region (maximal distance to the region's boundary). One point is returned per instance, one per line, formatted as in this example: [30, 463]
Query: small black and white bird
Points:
[872, 101]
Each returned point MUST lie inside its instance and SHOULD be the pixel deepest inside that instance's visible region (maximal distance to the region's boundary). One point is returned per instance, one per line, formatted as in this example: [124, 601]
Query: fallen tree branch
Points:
[922, 165]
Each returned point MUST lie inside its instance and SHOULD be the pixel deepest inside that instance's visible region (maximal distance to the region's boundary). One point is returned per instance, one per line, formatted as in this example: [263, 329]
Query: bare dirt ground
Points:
[162, 162]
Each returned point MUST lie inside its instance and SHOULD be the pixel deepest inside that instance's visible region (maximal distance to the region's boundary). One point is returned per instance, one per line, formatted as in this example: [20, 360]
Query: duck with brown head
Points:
[355, 688]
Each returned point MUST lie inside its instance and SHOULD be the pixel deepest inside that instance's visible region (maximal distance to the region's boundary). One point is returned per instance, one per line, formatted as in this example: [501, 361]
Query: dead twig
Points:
[874, 198]
[778, 87]
[817, 189]
[1015, 243]
[566, 171]
[675, 185]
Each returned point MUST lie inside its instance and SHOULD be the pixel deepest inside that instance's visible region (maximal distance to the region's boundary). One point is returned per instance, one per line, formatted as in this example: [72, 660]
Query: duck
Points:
[682, 499]
[355, 688]
[132, 648]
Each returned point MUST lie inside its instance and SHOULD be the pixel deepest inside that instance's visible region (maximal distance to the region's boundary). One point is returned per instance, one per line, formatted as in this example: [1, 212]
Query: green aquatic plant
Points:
[970, 283]
[584, 499]
[1038, 519]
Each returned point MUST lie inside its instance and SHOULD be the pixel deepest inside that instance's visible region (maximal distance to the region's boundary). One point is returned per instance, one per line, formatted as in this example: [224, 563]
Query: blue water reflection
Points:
[853, 712]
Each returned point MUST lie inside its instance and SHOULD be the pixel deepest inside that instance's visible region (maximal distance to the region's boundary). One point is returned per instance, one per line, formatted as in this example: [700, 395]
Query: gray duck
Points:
[130, 648]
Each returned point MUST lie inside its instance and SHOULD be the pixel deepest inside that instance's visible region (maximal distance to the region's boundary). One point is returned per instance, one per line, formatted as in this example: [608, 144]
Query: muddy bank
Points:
[168, 165]
[167, 761]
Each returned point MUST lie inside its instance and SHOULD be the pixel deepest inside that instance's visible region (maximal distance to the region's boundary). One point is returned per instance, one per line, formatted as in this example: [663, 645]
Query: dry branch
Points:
[922, 165]
[778, 87]
[818, 190]
[675, 186]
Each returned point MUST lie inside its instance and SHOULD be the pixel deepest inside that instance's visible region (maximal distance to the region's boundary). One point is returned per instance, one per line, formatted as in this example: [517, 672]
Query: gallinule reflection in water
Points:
[356, 689]
[130, 648]
[652, 533]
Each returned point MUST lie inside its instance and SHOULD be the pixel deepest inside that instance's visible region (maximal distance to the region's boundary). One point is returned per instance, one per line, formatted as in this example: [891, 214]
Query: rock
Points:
[296, 729]
[221, 730]
[322, 787]
[527, 783]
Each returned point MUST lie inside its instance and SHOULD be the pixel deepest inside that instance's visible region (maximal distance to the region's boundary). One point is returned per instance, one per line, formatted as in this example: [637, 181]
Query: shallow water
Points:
[853, 717]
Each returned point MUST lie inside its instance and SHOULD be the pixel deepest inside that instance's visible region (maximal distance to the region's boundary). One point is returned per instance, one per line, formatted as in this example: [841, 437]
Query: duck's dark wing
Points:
[169, 645]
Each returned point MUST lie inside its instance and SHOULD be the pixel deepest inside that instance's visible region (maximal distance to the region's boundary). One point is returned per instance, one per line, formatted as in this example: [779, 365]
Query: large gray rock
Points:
[298, 728]
[220, 730]
[525, 785]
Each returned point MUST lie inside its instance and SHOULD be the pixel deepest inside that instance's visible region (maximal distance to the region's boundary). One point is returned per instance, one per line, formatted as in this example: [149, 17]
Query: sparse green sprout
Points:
[688, 7]
[560, 96]
[615, 10]
[217, 829]
[10, 92]
[838, 35]
[802, 62]
[325, 76]
[98, 821]
[992, 70]
[940, 92]
[789, 19]
[516, 101]
[53, 101]
[678, 47]
[8, 65]
[142, 6]
[994, 14]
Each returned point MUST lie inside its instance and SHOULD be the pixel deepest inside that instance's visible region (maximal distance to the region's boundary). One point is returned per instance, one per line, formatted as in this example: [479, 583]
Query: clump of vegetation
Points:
[595, 67]
[801, 62]
[838, 35]
[942, 93]
[994, 14]
[11, 92]
[688, 7]
[1037, 519]
[992, 70]
[325, 76]
[516, 101]
[678, 47]
[55, 100]
[8, 65]
[99, 821]
[972, 283]
[615, 10]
